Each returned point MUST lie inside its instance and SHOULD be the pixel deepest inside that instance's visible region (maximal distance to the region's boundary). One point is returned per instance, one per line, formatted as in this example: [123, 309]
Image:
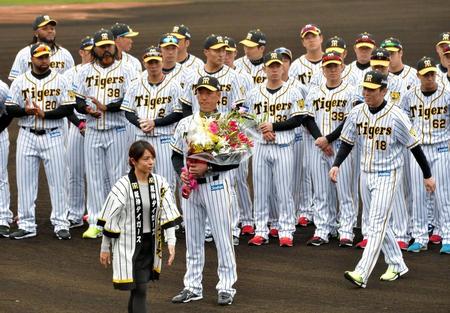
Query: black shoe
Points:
[63, 234]
[76, 224]
[224, 298]
[186, 296]
[4, 231]
[22, 234]
[316, 241]
[235, 241]
[209, 238]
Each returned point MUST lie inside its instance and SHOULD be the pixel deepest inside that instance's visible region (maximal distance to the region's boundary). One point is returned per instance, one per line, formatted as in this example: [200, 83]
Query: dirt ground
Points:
[46, 275]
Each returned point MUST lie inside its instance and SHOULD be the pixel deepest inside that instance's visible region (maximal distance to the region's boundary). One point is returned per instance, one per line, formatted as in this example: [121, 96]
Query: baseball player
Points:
[44, 31]
[396, 66]
[275, 103]
[187, 60]
[302, 69]
[330, 103]
[363, 47]
[123, 37]
[445, 78]
[103, 82]
[152, 105]
[382, 130]
[211, 200]
[254, 47]
[75, 144]
[40, 99]
[428, 108]
[230, 57]
[444, 39]
[6, 215]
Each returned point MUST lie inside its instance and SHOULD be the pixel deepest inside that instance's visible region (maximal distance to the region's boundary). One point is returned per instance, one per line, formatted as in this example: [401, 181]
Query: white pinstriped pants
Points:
[303, 193]
[272, 170]
[378, 190]
[211, 200]
[103, 148]
[31, 149]
[438, 156]
[243, 194]
[5, 213]
[75, 157]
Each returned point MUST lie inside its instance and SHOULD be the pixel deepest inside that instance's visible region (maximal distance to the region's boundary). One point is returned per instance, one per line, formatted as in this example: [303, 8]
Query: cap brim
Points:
[162, 45]
[365, 44]
[334, 49]
[310, 31]
[273, 61]
[207, 87]
[379, 62]
[47, 22]
[87, 48]
[39, 54]
[159, 59]
[443, 41]
[331, 62]
[218, 46]
[230, 49]
[130, 34]
[104, 42]
[392, 49]
[427, 70]
[178, 36]
[446, 52]
[371, 85]
[248, 43]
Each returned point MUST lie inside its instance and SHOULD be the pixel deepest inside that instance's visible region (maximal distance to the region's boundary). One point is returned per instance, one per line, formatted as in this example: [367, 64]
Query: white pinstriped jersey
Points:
[106, 85]
[132, 61]
[70, 75]
[183, 75]
[256, 71]
[48, 93]
[296, 84]
[382, 137]
[430, 115]
[330, 107]
[356, 74]
[193, 63]
[231, 93]
[409, 76]
[4, 90]
[318, 78]
[246, 80]
[444, 80]
[60, 61]
[278, 107]
[303, 70]
[151, 101]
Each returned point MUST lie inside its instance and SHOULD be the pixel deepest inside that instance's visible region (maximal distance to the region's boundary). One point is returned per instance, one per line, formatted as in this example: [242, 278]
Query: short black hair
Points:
[137, 150]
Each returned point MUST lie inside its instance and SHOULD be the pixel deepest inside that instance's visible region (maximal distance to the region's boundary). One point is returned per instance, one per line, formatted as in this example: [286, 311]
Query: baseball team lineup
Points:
[336, 140]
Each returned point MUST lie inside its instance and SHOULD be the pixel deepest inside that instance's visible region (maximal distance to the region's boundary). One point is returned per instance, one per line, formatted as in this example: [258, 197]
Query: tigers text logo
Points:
[95, 80]
[371, 131]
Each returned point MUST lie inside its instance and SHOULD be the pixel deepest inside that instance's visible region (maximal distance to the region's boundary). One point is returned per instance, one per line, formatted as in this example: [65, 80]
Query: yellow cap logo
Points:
[334, 43]
[175, 29]
[380, 54]
[46, 17]
[427, 63]
[369, 78]
[104, 36]
[205, 81]
[446, 36]
[249, 36]
[273, 55]
[219, 39]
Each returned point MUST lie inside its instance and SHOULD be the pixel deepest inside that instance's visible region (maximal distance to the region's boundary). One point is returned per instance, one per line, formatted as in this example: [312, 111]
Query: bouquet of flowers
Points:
[222, 139]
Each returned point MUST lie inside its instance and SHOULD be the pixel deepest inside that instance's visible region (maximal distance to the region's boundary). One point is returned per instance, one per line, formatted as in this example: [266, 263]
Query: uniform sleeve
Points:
[18, 65]
[404, 131]
[349, 134]
[67, 97]
[237, 97]
[309, 108]
[78, 85]
[170, 216]
[405, 103]
[3, 95]
[188, 94]
[113, 207]
[298, 103]
[177, 93]
[128, 103]
[14, 95]
[177, 142]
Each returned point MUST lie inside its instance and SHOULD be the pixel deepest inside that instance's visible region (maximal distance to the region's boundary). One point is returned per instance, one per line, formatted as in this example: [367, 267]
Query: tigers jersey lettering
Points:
[60, 61]
[150, 101]
[48, 93]
[256, 71]
[231, 93]
[430, 115]
[107, 85]
[303, 69]
[381, 136]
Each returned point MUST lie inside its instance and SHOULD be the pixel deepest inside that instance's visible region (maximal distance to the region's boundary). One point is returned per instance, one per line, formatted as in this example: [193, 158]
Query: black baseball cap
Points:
[425, 65]
[374, 80]
[168, 40]
[103, 37]
[336, 44]
[181, 31]
[310, 28]
[284, 51]
[365, 40]
[231, 44]
[214, 42]
[380, 56]
[444, 38]
[272, 57]
[42, 20]
[391, 44]
[39, 49]
[87, 43]
[208, 82]
[254, 38]
[152, 53]
[123, 30]
[331, 58]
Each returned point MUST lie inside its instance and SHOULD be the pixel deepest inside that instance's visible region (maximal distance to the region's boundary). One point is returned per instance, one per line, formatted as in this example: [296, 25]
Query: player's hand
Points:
[38, 111]
[266, 127]
[328, 150]
[105, 259]
[269, 136]
[333, 173]
[100, 106]
[430, 184]
[321, 142]
[185, 178]
[92, 112]
[171, 254]
[198, 169]
[146, 125]
[29, 107]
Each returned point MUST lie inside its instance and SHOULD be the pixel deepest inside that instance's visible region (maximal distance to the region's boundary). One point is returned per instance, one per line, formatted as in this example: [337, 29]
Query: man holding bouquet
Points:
[206, 194]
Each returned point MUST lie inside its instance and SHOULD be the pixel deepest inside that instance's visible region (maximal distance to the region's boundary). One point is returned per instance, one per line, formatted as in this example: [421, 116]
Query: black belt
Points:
[40, 132]
[204, 180]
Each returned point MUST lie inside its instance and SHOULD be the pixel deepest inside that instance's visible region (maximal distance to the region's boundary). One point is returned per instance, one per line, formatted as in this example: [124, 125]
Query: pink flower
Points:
[242, 137]
[233, 126]
[213, 127]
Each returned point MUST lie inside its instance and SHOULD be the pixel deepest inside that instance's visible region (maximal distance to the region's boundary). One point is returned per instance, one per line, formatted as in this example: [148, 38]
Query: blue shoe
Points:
[417, 247]
[445, 248]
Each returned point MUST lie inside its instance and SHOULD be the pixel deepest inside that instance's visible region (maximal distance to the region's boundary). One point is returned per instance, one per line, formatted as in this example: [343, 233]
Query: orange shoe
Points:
[286, 242]
[303, 221]
[273, 233]
[435, 239]
[362, 244]
[258, 241]
[403, 245]
[247, 230]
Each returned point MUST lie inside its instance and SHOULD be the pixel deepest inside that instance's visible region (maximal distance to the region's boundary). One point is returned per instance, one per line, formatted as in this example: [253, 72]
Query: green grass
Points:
[34, 2]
